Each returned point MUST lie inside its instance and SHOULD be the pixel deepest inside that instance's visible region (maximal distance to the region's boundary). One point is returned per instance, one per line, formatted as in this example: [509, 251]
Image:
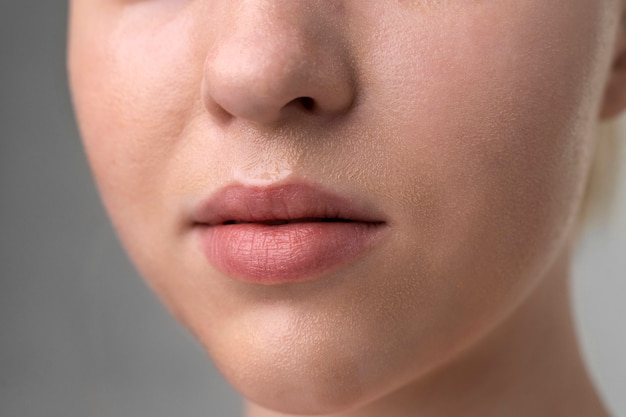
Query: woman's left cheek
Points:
[494, 127]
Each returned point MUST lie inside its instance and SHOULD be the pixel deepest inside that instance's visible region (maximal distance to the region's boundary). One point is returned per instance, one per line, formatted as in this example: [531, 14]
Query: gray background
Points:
[80, 334]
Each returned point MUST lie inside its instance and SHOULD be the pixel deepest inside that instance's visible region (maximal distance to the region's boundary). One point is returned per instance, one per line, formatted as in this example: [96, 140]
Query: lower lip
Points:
[293, 252]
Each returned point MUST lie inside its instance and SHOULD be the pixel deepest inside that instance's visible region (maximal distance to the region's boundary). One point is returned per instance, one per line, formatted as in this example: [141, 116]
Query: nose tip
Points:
[282, 71]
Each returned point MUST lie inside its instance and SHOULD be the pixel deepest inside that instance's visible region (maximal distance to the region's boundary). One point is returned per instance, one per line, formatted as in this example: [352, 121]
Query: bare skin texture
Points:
[469, 124]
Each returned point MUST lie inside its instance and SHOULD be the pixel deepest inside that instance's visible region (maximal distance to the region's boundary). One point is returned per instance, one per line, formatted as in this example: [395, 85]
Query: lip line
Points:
[281, 222]
[289, 203]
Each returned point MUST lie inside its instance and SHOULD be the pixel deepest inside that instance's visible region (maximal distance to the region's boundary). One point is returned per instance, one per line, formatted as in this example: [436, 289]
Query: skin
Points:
[469, 124]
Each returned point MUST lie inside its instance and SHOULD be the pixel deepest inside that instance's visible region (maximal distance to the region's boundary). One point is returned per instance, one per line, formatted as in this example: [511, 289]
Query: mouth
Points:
[284, 234]
[280, 222]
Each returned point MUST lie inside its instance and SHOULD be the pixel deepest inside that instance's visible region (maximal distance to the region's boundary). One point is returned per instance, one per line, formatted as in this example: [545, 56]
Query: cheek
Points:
[487, 137]
[497, 131]
[136, 86]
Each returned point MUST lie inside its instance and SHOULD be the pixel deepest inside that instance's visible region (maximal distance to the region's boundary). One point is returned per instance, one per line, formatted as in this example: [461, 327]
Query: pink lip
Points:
[283, 234]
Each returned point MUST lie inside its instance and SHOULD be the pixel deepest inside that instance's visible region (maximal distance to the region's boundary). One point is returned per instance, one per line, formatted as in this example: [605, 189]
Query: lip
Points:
[283, 234]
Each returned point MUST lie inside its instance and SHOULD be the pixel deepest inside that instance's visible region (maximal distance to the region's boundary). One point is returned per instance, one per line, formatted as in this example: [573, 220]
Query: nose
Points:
[277, 59]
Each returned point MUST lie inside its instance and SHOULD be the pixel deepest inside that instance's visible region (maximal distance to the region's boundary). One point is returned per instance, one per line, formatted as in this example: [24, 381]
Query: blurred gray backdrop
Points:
[80, 334]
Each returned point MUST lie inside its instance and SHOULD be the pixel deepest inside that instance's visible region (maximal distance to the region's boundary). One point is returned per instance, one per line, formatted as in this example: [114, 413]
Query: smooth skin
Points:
[470, 124]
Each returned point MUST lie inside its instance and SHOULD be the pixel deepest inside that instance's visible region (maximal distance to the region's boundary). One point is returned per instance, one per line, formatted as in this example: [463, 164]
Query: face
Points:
[336, 197]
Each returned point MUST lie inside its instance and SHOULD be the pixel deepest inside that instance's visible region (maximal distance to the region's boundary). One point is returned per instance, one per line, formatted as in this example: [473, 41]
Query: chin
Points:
[296, 359]
[320, 386]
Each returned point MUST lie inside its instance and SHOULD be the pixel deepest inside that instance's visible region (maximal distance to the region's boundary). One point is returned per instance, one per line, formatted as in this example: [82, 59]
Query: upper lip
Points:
[280, 204]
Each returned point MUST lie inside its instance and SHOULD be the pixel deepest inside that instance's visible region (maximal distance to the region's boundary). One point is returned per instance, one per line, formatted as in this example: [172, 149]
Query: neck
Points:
[530, 365]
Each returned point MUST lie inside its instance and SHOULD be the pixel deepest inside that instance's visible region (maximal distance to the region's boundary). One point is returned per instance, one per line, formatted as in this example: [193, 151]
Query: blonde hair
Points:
[604, 174]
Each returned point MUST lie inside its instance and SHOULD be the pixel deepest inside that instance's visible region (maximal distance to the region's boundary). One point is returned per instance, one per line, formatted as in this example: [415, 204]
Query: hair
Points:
[602, 184]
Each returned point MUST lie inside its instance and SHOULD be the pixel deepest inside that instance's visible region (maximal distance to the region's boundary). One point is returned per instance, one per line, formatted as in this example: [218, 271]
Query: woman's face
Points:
[337, 196]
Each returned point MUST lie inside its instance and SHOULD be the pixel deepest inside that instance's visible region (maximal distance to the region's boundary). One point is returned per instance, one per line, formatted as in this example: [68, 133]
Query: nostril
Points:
[307, 103]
